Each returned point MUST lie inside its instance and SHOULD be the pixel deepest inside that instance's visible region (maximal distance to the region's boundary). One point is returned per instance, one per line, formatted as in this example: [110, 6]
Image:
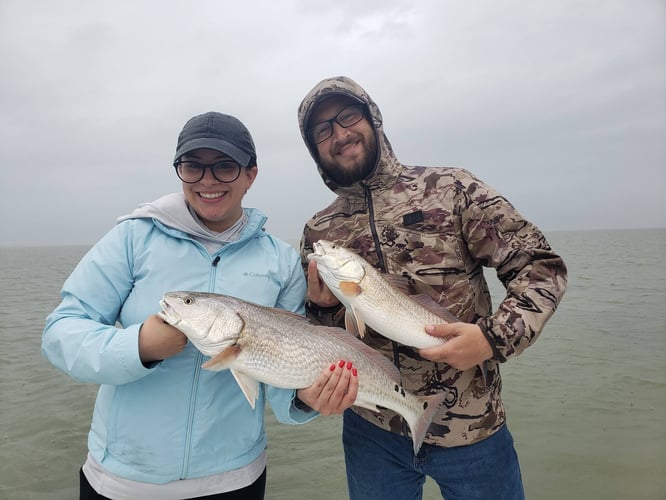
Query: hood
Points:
[173, 211]
[387, 167]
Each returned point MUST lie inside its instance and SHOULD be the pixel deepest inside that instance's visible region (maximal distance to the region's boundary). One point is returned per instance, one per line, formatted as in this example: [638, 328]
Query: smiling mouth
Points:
[211, 196]
[347, 146]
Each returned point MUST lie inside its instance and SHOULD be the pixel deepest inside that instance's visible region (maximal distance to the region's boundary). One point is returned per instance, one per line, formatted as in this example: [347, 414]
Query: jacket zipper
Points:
[382, 266]
[373, 228]
[195, 384]
[380, 256]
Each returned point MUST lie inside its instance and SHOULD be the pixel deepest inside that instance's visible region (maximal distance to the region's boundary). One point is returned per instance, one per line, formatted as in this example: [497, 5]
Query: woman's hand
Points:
[334, 391]
[158, 340]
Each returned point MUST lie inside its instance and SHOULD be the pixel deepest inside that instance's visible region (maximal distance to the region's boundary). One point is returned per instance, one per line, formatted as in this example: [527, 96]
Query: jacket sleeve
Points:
[283, 401]
[534, 276]
[81, 336]
[292, 295]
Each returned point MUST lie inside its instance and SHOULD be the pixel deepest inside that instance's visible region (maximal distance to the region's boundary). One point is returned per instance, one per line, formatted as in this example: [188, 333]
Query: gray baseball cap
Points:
[223, 133]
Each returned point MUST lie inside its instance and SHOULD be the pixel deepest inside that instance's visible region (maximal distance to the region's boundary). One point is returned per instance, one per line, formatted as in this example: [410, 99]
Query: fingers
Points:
[337, 387]
[313, 276]
[334, 391]
[436, 354]
[315, 284]
[352, 391]
[318, 292]
[466, 346]
[159, 340]
[442, 329]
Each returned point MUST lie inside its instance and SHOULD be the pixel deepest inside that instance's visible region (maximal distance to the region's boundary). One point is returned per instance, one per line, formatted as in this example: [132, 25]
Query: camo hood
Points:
[387, 167]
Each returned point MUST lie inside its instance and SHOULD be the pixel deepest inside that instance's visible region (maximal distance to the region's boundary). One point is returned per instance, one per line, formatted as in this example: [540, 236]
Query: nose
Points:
[208, 177]
[338, 131]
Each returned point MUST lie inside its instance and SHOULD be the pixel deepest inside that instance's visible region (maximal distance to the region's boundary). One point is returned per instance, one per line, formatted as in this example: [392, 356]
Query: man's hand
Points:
[466, 346]
[318, 292]
[158, 340]
[334, 391]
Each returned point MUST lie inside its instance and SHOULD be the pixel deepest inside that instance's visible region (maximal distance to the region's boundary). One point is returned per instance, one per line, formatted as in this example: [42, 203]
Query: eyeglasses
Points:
[190, 171]
[347, 117]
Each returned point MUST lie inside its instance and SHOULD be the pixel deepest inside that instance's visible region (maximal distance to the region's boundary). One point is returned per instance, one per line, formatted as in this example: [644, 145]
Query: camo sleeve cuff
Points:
[329, 316]
[486, 326]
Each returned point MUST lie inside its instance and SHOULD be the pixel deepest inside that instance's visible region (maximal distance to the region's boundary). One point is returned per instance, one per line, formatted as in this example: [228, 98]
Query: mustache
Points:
[340, 145]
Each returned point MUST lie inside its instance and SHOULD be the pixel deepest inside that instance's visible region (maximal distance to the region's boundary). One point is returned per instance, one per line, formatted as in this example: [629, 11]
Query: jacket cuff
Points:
[323, 315]
[486, 326]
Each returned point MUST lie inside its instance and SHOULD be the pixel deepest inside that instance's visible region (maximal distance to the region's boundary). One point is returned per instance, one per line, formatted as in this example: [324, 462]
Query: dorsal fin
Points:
[401, 283]
[421, 293]
[434, 307]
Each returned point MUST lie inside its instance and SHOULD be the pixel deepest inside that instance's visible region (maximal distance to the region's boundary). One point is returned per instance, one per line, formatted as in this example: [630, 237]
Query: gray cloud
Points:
[557, 104]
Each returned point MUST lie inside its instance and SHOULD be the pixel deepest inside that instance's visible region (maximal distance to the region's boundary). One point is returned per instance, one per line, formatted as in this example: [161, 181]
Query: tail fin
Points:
[420, 426]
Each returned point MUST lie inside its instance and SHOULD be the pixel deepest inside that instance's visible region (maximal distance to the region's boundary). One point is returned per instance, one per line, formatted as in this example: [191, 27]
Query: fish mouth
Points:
[318, 251]
[167, 313]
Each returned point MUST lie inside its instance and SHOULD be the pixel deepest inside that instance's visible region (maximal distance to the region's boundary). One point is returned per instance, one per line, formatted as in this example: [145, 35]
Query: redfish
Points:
[263, 344]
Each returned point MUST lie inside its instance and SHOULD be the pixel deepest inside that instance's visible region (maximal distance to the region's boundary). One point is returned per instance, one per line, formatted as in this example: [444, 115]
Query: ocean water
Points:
[585, 404]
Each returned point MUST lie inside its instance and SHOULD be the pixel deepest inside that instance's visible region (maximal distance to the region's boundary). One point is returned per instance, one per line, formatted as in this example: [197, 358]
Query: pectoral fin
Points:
[222, 360]
[349, 288]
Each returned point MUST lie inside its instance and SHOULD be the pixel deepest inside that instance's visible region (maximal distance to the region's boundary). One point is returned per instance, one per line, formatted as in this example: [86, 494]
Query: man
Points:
[440, 226]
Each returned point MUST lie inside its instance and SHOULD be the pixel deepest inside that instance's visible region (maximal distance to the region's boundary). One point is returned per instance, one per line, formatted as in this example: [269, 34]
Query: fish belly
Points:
[397, 320]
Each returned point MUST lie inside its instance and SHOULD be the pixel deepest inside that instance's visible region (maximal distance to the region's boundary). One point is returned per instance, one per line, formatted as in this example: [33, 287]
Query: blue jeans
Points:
[381, 465]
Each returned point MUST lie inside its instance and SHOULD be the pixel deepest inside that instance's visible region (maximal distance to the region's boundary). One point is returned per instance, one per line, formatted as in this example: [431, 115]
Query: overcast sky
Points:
[558, 104]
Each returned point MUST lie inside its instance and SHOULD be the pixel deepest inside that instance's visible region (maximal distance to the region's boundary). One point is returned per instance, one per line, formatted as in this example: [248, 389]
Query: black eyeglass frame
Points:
[203, 167]
[335, 119]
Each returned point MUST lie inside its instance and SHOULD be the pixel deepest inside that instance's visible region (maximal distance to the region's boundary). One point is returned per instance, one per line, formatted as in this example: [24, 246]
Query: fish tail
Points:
[419, 425]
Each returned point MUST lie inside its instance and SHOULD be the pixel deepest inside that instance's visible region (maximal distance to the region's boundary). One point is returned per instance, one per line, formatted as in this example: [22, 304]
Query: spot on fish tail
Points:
[396, 388]
[425, 405]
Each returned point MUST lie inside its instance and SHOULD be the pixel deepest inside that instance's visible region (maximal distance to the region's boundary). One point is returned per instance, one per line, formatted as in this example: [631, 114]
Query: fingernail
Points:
[349, 365]
[332, 367]
[341, 363]
[354, 372]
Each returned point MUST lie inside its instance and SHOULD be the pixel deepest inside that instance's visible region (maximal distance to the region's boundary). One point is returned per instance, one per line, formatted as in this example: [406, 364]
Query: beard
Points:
[355, 172]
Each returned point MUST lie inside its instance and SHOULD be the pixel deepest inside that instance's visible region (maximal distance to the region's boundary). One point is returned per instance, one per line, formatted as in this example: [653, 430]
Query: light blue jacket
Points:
[172, 420]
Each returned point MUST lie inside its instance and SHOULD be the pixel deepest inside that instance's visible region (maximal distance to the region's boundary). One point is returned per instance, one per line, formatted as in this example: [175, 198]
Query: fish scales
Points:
[383, 308]
[370, 299]
[269, 345]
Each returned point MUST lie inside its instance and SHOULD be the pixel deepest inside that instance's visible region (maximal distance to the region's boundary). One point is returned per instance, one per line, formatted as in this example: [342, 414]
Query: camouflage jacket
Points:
[442, 226]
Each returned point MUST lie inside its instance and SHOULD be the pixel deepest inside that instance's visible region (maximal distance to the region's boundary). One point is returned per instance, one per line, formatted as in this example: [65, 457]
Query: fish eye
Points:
[189, 300]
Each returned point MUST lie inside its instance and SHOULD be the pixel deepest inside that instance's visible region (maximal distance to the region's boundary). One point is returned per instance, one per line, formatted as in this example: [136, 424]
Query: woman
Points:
[162, 427]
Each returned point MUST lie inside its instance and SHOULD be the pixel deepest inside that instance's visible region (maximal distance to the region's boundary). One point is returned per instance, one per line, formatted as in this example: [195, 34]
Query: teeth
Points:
[211, 196]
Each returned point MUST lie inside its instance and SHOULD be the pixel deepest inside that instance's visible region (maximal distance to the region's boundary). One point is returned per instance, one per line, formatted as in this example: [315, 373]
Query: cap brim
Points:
[238, 155]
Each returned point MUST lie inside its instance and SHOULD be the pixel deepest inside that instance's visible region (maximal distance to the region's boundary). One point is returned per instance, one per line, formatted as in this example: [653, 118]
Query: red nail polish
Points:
[332, 367]
[355, 372]
[341, 363]
[349, 365]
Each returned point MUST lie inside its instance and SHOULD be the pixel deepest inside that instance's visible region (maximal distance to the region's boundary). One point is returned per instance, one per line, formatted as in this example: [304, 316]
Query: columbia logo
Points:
[250, 274]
